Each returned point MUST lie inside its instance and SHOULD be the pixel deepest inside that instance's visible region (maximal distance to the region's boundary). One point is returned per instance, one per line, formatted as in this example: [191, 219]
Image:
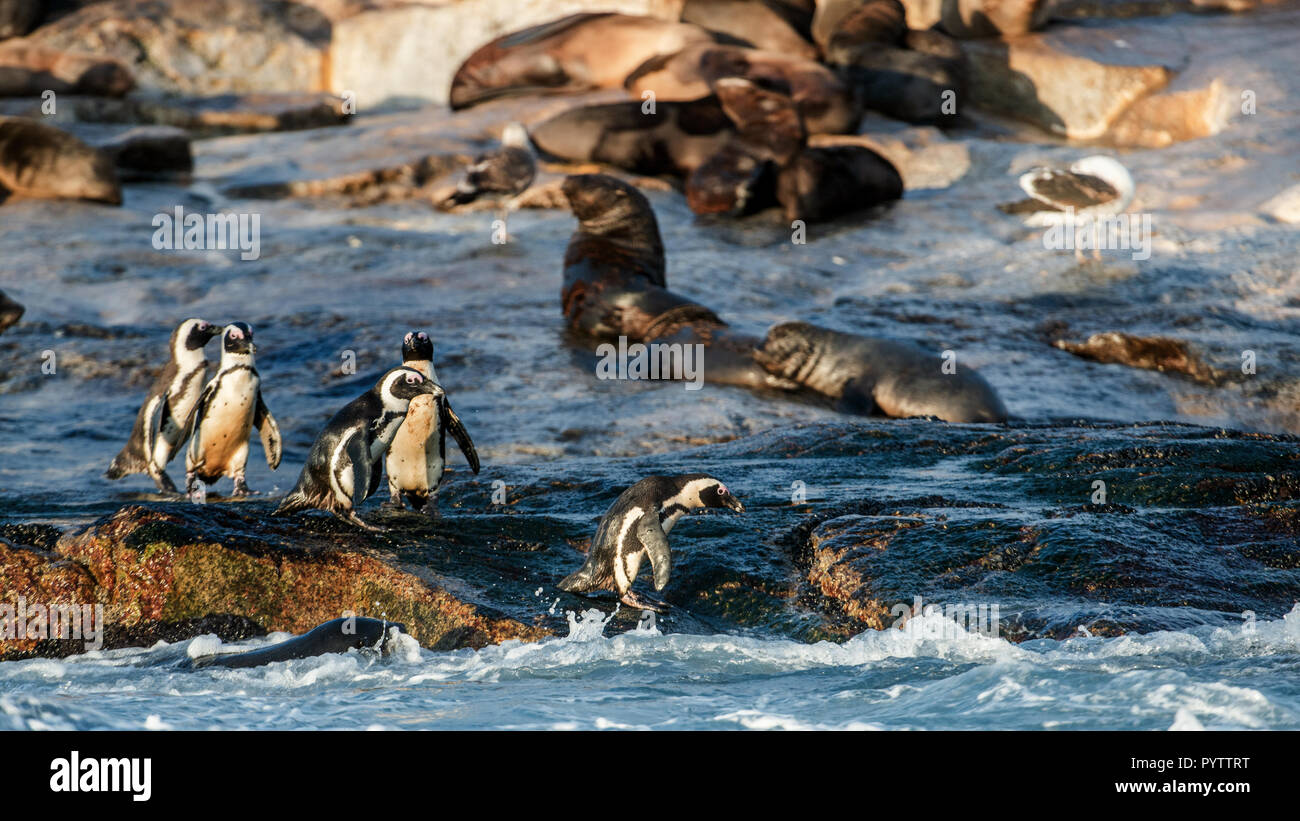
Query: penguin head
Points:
[703, 490]
[417, 347]
[238, 339]
[400, 385]
[194, 333]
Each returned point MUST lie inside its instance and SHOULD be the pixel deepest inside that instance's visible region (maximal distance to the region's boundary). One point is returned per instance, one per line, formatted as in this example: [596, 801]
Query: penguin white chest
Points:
[227, 422]
[415, 461]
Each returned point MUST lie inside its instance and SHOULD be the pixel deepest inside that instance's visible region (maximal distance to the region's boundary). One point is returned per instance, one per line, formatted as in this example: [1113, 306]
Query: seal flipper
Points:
[269, 432]
[458, 432]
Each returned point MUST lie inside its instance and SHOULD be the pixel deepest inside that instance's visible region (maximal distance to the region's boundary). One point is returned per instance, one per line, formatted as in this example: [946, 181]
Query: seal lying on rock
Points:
[826, 104]
[673, 139]
[878, 375]
[29, 70]
[40, 161]
[810, 183]
[336, 636]
[615, 285]
[765, 24]
[580, 52]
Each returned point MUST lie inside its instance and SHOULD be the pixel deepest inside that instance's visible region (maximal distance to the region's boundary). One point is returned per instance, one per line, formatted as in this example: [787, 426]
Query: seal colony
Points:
[828, 62]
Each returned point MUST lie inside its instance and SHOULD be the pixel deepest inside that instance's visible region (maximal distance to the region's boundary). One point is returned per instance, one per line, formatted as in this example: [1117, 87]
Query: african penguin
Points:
[160, 424]
[346, 461]
[229, 408]
[419, 451]
[636, 526]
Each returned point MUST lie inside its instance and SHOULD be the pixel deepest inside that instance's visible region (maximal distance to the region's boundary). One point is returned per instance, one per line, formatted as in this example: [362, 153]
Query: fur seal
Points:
[636, 527]
[673, 139]
[826, 104]
[29, 70]
[335, 636]
[580, 52]
[10, 312]
[768, 163]
[614, 284]
[346, 461]
[418, 455]
[908, 81]
[877, 375]
[229, 408]
[842, 23]
[40, 161]
[161, 422]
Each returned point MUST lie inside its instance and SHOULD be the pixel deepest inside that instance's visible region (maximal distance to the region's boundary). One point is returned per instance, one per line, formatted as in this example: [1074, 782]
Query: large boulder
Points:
[162, 568]
[203, 46]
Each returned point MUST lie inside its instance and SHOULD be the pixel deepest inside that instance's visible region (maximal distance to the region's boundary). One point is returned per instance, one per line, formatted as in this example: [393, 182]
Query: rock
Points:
[150, 152]
[1152, 353]
[865, 563]
[201, 116]
[30, 577]
[1075, 82]
[29, 70]
[763, 25]
[991, 18]
[161, 568]
[203, 46]
[40, 161]
[403, 52]
[1173, 116]
[922, 14]
[1285, 207]
[17, 17]
[1124, 9]
[10, 312]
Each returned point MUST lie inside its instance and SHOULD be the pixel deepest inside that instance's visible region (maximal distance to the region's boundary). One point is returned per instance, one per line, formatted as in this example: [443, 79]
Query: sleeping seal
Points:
[336, 636]
[673, 139]
[877, 375]
[580, 52]
[40, 161]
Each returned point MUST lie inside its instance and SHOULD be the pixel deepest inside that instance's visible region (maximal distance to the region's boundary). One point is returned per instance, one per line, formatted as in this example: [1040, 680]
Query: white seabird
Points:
[1091, 189]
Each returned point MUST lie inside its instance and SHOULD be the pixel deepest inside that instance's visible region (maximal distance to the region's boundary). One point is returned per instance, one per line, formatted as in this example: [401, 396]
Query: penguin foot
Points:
[352, 518]
[647, 603]
[242, 489]
[164, 482]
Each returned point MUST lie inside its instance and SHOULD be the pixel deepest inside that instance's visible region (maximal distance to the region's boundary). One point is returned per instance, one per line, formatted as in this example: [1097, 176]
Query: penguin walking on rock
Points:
[346, 462]
[636, 526]
[160, 424]
[229, 408]
[418, 455]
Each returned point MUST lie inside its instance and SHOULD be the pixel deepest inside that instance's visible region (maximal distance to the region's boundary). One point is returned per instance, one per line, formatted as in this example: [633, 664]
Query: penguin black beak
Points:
[734, 504]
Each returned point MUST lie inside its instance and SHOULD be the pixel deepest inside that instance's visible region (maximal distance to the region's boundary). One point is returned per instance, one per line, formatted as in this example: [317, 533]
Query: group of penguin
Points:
[400, 425]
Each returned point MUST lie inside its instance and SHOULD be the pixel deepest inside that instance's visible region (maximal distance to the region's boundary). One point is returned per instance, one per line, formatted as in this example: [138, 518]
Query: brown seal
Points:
[580, 52]
[763, 24]
[827, 105]
[673, 139]
[40, 161]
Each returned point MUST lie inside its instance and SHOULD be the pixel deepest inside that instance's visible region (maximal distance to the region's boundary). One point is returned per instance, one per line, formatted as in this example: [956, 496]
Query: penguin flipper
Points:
[153, 417]
[192, 425]
[461, 436]
[362, 471]
[652, 537]
[269, 431]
